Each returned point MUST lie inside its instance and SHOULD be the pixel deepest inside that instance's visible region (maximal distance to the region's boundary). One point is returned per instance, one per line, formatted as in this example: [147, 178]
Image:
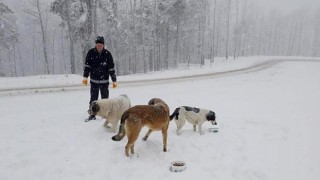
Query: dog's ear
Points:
[151, 102]
[95, 107]
[211, 116]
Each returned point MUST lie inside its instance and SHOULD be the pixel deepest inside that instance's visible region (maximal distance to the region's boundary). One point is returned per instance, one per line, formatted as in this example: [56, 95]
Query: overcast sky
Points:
[286, 5]
[283, 5]
[289, 5]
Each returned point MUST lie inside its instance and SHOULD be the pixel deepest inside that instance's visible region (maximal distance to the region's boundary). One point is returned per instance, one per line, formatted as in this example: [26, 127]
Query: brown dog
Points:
[155, 116]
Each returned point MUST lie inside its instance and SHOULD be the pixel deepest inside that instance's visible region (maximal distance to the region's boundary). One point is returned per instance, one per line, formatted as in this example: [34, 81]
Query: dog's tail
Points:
[175, 114]
[122, 131]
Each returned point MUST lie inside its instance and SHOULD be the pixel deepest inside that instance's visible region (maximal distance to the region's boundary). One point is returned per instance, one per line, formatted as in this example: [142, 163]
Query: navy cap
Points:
[100, 40]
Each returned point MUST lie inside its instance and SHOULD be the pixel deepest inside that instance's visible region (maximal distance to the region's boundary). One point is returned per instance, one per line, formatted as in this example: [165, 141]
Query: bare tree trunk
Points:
[203, 31]
[134, 36]
[242, 30]
[130, 62]
[199, 40]
[37, 14]
[245, 45]
[189, 58]
[273, 38]
[89, 29]
[44, 38]
[166, 58]
[150, 59]
[14, 59]
[276, 38]
[21, 62]
[236, 31]
[62, 58]
[300, 36]
[143, 41]
[154, 39]
[33, 50]
[218, 37]
[115, 45]
[269, 41]
[278, 42]
[293, 40]
[71, 38]
[316, 39]
[159, 64]
[219, 51]
[214, 29]
[95, 18]
[260, 37]
[176, 44]
[1, 66]
[228, 26]
[53, 51]
[290, 39]
[11, 63]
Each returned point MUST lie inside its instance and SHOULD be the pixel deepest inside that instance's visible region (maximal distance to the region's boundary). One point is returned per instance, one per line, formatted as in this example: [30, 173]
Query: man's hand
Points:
[85, 81]
[114, 85]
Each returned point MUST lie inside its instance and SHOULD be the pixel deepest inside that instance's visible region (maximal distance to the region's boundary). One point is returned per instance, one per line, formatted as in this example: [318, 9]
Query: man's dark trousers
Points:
[94, 91]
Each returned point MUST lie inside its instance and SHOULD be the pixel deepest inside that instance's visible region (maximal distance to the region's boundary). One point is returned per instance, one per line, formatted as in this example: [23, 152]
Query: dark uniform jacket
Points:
[99, 66]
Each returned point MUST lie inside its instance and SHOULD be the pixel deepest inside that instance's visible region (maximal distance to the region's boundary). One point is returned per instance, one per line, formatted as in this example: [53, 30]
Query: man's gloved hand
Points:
[114, 85]
[85, 81]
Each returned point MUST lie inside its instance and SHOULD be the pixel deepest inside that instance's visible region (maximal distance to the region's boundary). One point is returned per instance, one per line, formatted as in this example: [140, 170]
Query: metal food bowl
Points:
[178, 166]
[214, 129]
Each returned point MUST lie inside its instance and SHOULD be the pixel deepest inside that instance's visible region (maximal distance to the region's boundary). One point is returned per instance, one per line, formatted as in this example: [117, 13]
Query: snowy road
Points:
[259, 65]
[269, 118]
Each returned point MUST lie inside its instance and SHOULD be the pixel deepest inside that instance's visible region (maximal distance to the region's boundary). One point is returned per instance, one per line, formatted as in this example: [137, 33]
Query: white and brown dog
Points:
[110, 109]
[195, 116]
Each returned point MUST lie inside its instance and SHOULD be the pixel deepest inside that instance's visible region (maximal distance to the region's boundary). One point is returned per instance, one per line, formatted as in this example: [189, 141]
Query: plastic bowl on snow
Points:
[178, 166]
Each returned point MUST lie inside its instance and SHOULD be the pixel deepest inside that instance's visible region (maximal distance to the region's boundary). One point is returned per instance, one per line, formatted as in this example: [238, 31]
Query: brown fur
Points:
[155, 116]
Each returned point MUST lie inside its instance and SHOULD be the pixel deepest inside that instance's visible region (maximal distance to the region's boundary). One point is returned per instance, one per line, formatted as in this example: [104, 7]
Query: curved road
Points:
[257, 67]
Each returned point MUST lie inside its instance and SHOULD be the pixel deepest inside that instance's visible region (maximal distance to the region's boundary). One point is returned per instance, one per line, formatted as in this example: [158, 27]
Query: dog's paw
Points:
[201, 133]
[134, 156]
[106, 126]
[110, 130]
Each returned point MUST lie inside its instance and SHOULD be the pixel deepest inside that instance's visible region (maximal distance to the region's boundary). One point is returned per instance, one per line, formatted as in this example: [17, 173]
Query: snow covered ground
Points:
[269, 130]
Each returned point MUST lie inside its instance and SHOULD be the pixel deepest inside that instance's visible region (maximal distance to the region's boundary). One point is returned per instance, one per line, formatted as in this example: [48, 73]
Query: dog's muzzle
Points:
[214, 122]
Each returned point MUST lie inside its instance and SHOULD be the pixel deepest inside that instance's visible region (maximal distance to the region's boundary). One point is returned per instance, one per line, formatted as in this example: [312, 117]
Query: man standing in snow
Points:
[99, 65]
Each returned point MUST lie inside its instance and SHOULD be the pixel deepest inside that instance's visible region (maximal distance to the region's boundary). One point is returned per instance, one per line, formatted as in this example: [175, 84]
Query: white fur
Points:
[112, 110]
[192, 117]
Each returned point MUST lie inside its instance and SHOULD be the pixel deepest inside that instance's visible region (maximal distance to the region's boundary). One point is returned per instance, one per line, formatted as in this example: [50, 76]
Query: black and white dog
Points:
[195, 116]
